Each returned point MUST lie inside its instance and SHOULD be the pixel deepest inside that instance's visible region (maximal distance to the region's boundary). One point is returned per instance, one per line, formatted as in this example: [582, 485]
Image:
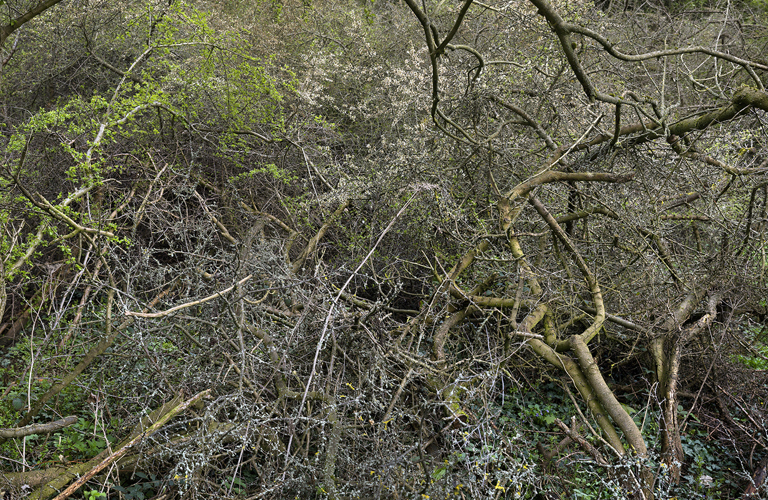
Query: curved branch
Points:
[608, 46]
[549, 176]
[481, 62]
[594, 288]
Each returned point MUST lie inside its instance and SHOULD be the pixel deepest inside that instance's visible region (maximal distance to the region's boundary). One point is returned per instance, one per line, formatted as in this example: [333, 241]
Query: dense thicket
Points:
[384, 249]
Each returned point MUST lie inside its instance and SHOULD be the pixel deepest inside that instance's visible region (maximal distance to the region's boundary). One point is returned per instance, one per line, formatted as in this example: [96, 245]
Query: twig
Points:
[188, 304]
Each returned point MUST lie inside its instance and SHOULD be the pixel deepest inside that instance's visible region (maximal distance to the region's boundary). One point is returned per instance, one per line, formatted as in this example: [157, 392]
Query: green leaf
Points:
[439, 473]
[628, 409]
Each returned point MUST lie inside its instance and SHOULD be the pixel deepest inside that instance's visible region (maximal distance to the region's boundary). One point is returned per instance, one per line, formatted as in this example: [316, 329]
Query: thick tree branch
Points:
[46, 428]
[18, 22]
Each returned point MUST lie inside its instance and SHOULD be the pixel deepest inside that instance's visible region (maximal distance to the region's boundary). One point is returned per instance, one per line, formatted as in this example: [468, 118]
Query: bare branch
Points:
[46, 428]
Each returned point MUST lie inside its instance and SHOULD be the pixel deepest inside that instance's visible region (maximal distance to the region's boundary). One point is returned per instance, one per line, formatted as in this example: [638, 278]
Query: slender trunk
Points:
[667, 351]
